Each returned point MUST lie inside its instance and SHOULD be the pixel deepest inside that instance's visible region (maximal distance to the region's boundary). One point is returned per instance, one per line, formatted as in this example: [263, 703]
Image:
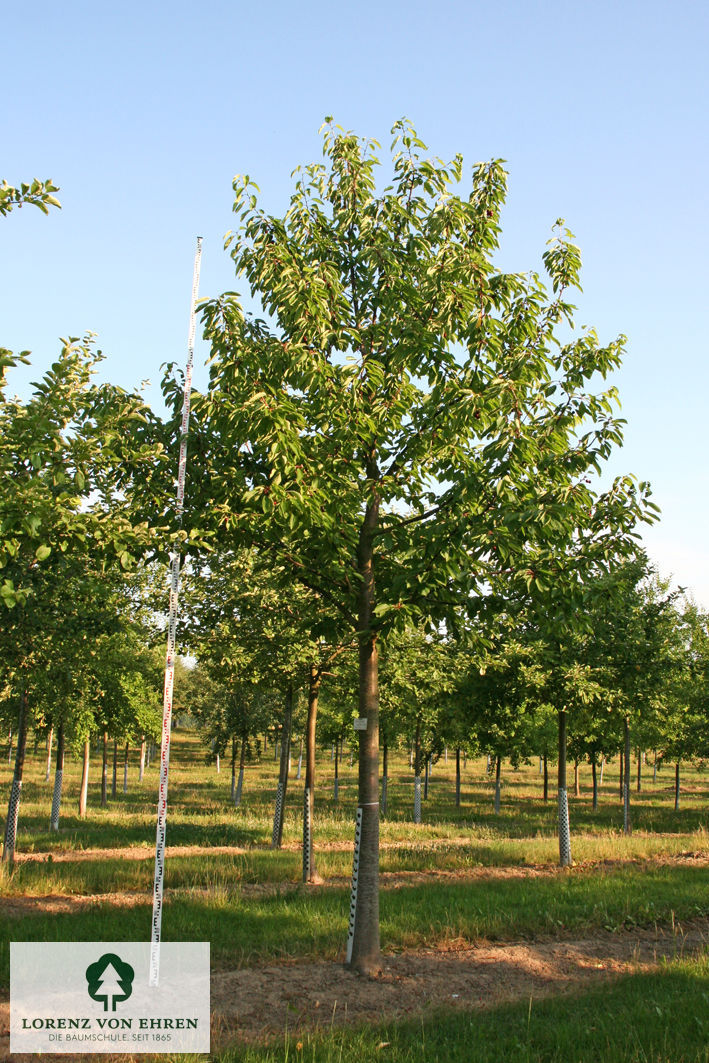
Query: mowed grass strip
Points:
[247, 928]
[656, 1017]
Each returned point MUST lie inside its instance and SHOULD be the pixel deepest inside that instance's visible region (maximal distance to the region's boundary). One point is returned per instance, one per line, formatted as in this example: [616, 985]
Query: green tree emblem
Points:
[110, 980]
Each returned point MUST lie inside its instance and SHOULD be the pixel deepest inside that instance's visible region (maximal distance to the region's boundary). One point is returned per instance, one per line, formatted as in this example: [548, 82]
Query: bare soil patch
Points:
[257, 1003]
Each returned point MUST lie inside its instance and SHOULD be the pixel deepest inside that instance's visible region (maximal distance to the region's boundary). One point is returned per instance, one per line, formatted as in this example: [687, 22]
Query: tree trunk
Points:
[314, 681]
[141, 770]
[603, 764]
[654, 768]
[240, 781]
[219, 765]
[233, 768]
[114, 780]
[564, 826]
[385, 776]
[426, 769]
[58, 781]
[300, 760]
[104, 772]
[363, 951]
[621, 776]
[50, 736]
[546, 777]
[13, 809]
[336, 793]
[640, 765]
[457, 777]
[417, 773]
[498, 787]
[83, 792]
[125, 768]
[277, 837]
[627, 826]
[677, 786]
[594, 776]
[577, 787]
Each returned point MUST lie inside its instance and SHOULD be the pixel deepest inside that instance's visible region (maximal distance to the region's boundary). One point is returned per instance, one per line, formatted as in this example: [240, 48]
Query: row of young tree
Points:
[401, 438]
[636, 675]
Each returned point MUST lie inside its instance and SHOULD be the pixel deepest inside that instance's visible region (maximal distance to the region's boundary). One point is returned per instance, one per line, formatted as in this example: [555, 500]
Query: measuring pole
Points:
[170, 658]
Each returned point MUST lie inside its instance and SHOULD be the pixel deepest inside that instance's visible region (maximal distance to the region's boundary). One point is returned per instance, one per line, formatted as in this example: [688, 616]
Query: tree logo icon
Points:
[110, 980]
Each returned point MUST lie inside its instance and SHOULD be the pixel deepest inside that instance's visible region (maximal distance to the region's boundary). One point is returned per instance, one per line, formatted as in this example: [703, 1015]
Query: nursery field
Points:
[490, 950]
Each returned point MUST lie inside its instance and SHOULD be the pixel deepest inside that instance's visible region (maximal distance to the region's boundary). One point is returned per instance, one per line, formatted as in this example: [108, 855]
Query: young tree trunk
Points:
[577, 788]
[603, 764]
[83, 792]
[50, 736]
[242, 762]
[621, 776]
[314, 681]
[457, 777]
[279, 813]
[300, 760]
[677, 786]
[640, 766]
[125, 768]
[104, 772]
[564, 826]
[219, 766]
[546, 777]
[114, 780]
[417, 773]
[426, 769]
[498, 786]
[336, 790]
[58, 781]
[233, 768]
[627, 826]
[13, 808]
[141, 769]
[363, 951]
[594, 776]
[654, 768]
[385, 776]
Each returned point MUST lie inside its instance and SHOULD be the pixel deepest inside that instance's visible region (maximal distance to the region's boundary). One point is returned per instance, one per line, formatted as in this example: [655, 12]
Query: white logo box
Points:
[95, 997]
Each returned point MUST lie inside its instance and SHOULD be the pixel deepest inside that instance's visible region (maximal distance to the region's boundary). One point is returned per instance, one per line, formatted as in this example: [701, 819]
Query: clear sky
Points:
[142, 112]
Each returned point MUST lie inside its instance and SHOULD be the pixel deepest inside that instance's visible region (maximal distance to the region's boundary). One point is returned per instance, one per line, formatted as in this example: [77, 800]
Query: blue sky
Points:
[143, 112]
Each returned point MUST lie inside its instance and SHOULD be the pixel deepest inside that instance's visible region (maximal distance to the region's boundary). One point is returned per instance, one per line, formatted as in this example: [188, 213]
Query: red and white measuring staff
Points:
[170, 659]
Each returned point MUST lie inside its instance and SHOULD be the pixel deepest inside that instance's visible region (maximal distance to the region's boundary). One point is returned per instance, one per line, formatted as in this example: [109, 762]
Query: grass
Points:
[618, 882]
